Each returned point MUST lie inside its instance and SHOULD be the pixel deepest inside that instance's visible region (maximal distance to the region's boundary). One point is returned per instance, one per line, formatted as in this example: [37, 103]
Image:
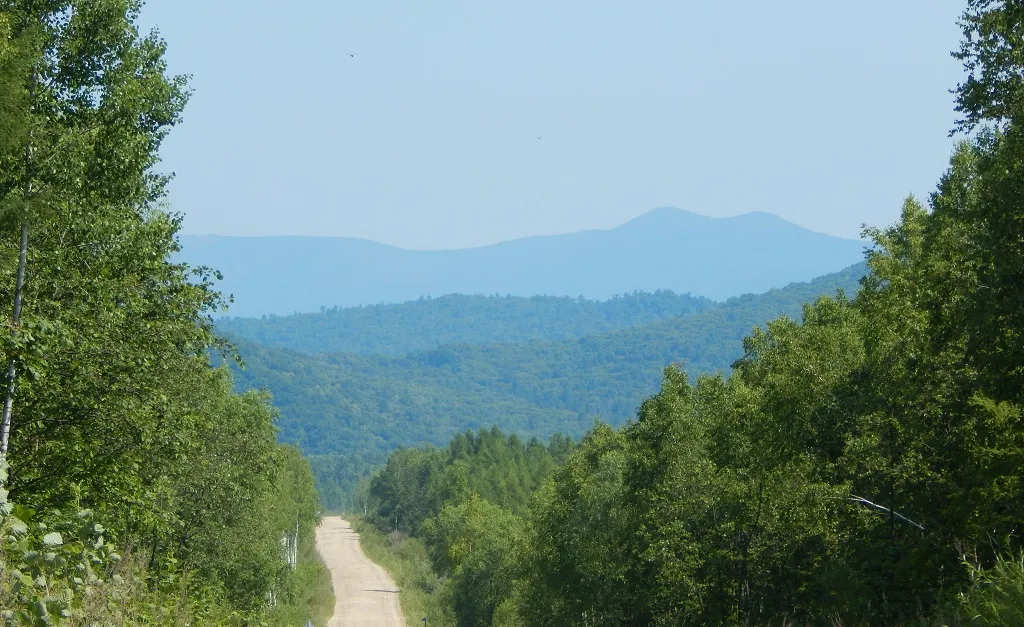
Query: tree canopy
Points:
[348, 411]
[114, 411]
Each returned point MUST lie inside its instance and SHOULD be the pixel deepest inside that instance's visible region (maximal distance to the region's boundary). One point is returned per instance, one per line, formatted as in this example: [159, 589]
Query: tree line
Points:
[428, 323]
[860, 466]
[138, 487]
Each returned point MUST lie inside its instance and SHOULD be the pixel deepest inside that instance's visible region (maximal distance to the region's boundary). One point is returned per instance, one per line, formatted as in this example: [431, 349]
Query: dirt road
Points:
[364, 593]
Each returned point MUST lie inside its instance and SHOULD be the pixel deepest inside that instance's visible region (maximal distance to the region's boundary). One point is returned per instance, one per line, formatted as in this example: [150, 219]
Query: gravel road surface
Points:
[364, 593]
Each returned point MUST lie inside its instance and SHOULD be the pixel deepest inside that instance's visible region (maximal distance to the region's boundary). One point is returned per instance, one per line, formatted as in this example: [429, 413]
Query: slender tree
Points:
[15, 100]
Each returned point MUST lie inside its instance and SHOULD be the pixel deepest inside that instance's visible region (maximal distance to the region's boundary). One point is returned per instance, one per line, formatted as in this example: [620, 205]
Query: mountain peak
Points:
[664, 214]
[675, 218]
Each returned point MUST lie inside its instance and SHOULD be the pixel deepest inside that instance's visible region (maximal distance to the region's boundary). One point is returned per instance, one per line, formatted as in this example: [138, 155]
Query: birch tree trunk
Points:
[19, 286]
[5, 426]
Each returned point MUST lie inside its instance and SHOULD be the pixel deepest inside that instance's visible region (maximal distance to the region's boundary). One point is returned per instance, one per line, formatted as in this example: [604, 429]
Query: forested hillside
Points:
[458, 319]
[663, 249]
[349, 411]
[860, 466]
[135, 486]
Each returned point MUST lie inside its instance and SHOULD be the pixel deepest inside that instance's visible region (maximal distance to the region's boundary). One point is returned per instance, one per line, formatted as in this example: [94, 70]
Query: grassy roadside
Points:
[309, 593]
[421, 590]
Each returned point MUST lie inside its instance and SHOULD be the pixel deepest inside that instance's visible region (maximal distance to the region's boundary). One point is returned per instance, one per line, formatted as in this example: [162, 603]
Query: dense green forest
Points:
[421, 491]
[861, 466]
[136, 487]
[348, 411]
[416, 483]
[458, 319]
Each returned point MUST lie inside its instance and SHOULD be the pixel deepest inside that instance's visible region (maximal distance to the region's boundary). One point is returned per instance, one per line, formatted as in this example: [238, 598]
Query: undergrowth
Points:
[308, 594]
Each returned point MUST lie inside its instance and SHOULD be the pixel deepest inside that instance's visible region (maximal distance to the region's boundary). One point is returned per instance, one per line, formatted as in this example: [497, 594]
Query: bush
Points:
[995, 596]
[59, 570]
[47, 570]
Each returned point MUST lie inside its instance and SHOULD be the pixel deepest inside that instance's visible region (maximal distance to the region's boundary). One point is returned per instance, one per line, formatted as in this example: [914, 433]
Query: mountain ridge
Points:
[429, 322]
[663, 249]
[651, 214]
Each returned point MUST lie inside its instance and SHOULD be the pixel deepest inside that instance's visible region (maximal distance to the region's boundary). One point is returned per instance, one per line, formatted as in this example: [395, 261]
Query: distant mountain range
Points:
[664, 249]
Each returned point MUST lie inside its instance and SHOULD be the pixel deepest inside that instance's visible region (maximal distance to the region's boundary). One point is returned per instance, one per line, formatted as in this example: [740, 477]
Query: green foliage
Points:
[216, 559]
[463, 506]
[991, 52]
[305, 593]
[118, 416]
[350, 411]
[478, 546]
[458, 319]
[46, 570]
[995, 596]
[14, 62]
[576, 566]
[58, 569]
[416, 484]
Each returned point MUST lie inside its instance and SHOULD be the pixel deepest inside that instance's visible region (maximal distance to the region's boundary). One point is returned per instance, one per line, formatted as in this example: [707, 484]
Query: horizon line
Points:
[528, 237]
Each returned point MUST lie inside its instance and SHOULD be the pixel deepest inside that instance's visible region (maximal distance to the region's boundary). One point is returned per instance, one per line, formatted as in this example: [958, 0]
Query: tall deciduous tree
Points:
[96, 106]
[992, 51]
[106, 319]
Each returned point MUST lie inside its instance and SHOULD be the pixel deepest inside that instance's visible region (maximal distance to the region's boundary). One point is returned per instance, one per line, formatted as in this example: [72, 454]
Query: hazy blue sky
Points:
[825, 113]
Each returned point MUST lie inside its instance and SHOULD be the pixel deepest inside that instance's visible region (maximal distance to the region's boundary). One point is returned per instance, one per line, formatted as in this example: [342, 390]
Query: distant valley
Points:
[349, 410]
[665, 249]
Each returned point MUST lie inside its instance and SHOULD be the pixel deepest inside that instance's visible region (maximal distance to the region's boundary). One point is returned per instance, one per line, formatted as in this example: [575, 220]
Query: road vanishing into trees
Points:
[364, 593]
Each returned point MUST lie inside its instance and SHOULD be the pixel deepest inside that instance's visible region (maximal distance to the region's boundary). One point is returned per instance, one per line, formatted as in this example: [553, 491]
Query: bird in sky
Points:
[351, 54]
